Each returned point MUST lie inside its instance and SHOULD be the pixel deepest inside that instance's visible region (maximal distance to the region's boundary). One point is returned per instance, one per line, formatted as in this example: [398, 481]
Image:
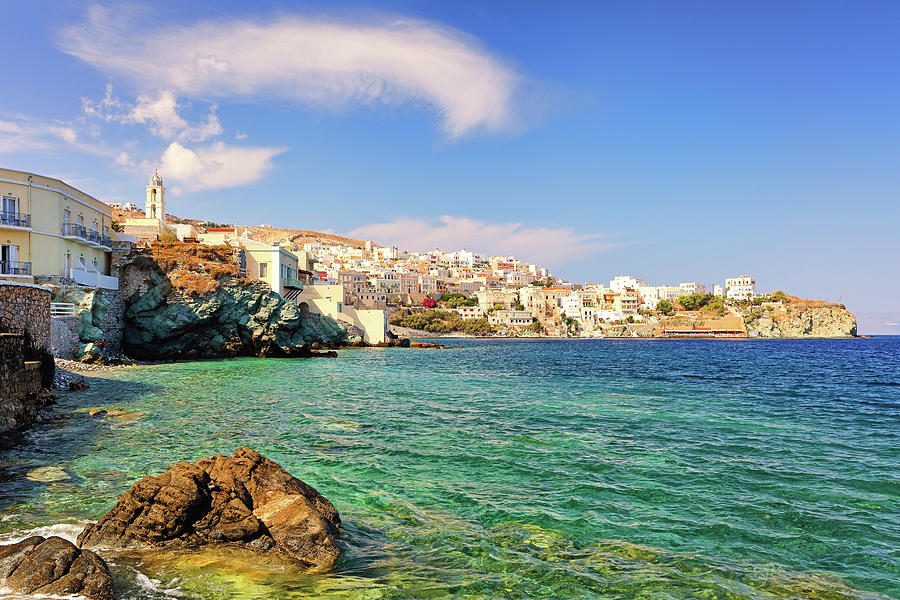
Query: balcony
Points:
[10, 267]
[80, 232]
[293, 283]
[11, 219]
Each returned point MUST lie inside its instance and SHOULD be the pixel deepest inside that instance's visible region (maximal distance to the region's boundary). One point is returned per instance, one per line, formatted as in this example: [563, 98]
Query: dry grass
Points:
[195, 269]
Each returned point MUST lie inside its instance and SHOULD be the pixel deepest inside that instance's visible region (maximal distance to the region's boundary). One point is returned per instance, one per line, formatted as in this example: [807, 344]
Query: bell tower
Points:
[156, 200]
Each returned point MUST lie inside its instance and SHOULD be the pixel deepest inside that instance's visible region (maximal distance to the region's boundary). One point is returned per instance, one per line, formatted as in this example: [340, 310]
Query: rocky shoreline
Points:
[245, 502]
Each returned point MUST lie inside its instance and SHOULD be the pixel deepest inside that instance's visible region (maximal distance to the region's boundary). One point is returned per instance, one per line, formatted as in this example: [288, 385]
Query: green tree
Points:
[665, 307]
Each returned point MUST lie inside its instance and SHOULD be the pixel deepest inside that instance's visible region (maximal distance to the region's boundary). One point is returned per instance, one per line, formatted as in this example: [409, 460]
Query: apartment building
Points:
[469, 312]
[740, 288]
[692, 288]
[48, 227]
[510, 318]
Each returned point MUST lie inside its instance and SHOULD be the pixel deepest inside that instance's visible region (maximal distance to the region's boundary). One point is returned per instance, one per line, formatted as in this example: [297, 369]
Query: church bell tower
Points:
[156, 200]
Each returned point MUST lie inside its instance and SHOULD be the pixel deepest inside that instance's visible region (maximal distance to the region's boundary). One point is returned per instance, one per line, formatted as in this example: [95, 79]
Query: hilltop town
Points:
[379, 291]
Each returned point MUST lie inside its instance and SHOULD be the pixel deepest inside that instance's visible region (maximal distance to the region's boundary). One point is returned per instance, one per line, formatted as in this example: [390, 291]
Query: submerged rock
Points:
[38, 565]
[245, 500]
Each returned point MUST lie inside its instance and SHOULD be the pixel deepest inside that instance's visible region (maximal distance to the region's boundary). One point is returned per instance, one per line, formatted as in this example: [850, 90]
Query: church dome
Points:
[155, 179]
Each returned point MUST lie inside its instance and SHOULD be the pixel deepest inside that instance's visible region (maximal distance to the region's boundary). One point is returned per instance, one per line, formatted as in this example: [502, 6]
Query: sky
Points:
[674, 142]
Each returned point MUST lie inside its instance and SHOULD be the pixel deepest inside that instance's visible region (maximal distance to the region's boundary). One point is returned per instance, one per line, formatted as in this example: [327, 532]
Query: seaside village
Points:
[55, 233]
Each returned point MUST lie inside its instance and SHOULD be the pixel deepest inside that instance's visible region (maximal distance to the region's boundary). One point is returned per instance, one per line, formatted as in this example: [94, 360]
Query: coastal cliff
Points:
[199, 308]
[803, 319]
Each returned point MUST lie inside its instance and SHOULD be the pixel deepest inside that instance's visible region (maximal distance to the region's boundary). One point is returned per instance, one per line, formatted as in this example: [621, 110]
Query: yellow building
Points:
[274, 264]
[48, 227]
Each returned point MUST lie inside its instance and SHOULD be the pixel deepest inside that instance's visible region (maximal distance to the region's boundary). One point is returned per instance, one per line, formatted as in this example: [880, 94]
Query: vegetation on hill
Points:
[703, 302]
[441, 321]
[455, 300]
[196, 269]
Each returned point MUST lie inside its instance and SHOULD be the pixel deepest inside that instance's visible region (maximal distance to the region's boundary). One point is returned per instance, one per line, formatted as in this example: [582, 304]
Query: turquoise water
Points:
[505, 469]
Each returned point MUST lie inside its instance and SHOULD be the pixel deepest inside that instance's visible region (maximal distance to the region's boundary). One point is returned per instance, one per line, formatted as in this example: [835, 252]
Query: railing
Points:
[62, 309]
[15, 219]
[9, 267]
[73, 230]
[80, 231]
[293, 283]
[92, 278]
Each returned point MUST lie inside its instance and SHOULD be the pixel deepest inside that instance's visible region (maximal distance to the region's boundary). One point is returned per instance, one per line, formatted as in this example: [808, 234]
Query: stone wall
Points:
[20, 384]
[25, 308]
[64, 340]
[113, 321]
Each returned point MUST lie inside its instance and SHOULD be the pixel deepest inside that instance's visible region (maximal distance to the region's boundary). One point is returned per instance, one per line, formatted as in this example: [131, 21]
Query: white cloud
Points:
[324, 63]
[24, 134]
[548, 245]
[215, 166]
[158, 112]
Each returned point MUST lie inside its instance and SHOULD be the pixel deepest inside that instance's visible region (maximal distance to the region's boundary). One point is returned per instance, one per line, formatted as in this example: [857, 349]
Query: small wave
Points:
[67, 531]
[8, 594]
[155, 586]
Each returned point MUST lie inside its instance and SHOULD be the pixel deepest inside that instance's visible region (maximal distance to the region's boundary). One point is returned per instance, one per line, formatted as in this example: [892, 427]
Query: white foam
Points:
[155, 585]
[67, 531]
[8, 594]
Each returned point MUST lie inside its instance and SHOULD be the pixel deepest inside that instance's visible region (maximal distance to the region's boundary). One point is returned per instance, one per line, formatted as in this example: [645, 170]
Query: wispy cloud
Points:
[159, 113]
[549, 245]
[214, 166]
[324, 63]
[24, 134]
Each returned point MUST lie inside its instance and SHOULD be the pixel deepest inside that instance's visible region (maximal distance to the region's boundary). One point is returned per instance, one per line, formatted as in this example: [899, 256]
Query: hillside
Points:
[266, 235]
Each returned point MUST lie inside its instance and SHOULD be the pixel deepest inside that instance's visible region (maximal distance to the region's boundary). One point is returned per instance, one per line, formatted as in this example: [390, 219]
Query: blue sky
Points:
[687, 141]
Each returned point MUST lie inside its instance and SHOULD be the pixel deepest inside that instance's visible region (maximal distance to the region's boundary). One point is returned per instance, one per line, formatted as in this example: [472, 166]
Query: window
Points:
[263, 270]
[9, 206]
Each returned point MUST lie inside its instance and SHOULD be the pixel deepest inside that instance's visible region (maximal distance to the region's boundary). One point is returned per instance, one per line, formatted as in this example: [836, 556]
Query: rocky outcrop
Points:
[826, 321]
[38, 565]
[238, 318]
[245, 500]
[98, 316]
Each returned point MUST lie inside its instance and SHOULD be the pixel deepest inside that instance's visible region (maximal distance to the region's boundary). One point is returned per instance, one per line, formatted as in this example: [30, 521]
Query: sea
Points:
[670, 469]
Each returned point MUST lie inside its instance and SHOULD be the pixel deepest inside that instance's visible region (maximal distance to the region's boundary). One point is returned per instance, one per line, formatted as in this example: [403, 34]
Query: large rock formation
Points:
[237, 318]
[245, 500]
[798, 321]
[38, 565]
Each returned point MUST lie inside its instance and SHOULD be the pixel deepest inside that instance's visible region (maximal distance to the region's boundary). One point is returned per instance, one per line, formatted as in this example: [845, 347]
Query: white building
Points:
[717, 290]
[511, 318]
[469, 312]
[740, 288]
[516, 278]
[570, 306]
[622, 282]
[693, 288]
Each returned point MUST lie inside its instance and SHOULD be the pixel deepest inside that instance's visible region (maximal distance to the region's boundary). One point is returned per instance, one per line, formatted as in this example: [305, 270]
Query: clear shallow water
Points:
[554, 469]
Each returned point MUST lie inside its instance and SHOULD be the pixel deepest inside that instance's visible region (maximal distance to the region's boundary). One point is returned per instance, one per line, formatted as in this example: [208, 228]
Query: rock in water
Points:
[246, 500]
[38, 565]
